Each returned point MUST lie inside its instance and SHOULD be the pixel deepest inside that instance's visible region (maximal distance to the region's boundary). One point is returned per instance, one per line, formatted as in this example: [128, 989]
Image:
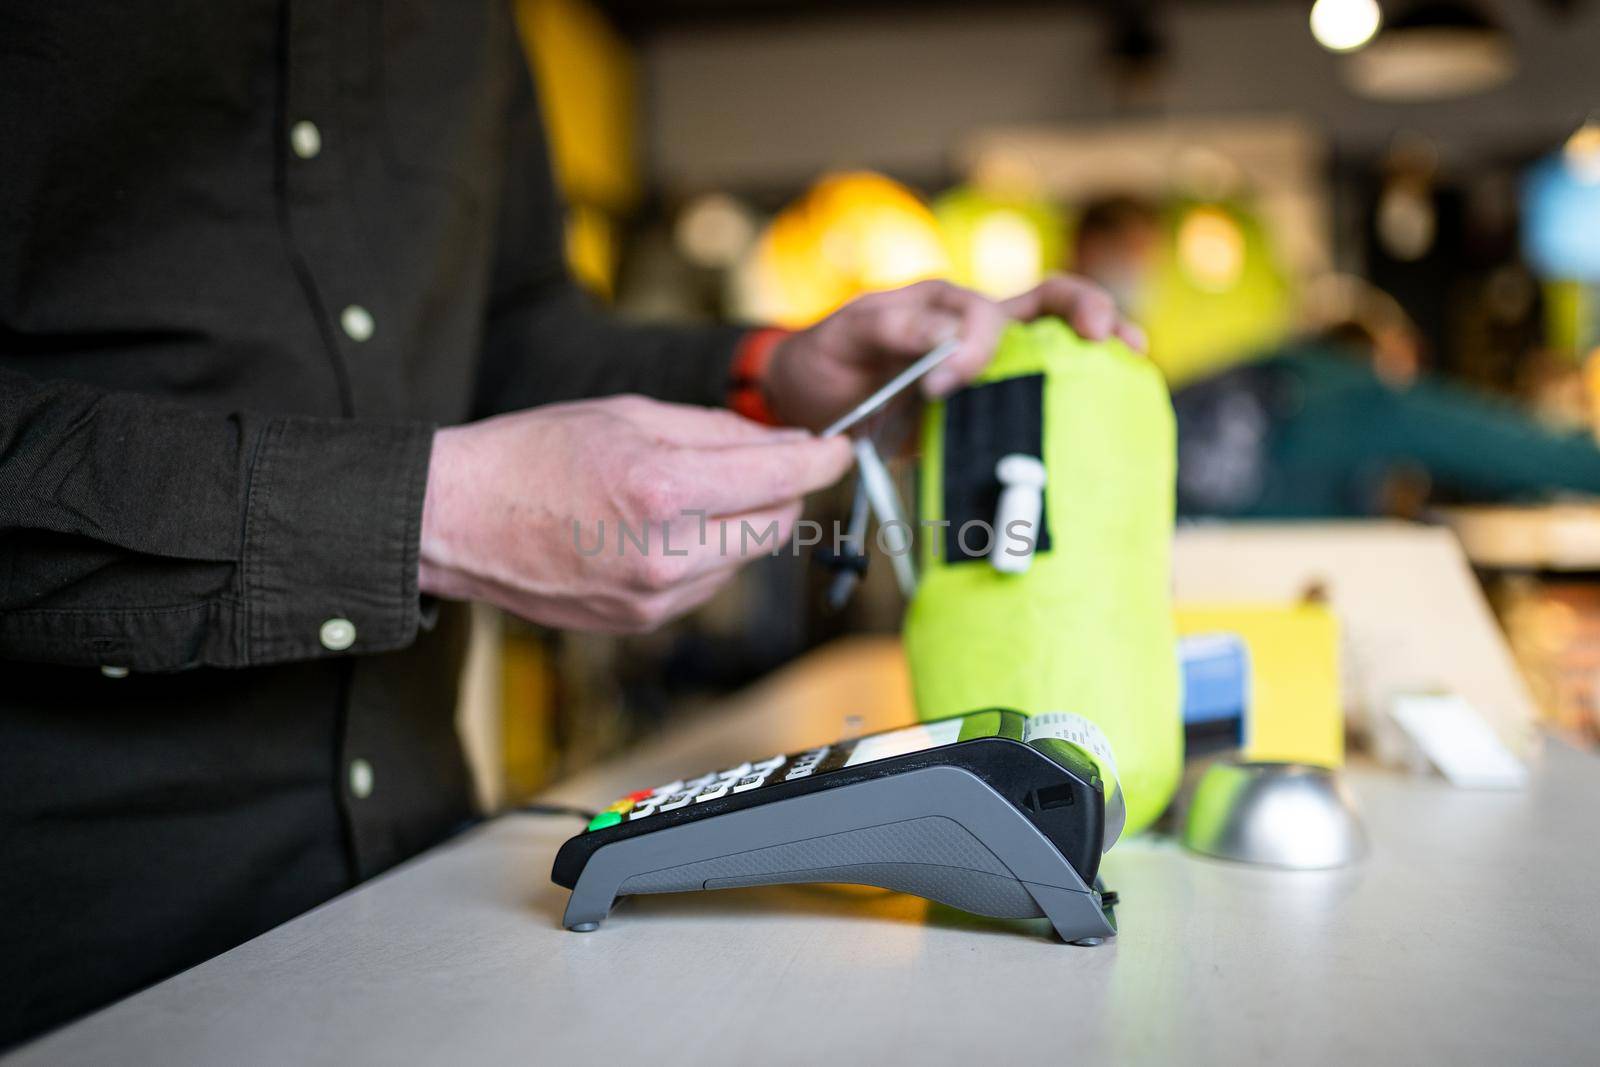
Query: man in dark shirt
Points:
[253, 255]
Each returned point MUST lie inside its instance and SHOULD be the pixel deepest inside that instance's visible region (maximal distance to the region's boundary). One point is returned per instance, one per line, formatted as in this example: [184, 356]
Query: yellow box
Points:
[1296, 709]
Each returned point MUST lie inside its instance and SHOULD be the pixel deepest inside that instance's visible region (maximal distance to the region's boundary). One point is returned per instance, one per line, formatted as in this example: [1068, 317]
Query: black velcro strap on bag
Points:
[983, 423]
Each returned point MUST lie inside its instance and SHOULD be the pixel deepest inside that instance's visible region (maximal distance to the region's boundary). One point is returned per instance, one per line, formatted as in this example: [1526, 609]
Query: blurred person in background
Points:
[288, 353]
[1325, 427]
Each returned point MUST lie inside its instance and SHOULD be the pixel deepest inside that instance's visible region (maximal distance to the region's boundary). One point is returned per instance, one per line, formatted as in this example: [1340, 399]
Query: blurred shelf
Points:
[1549, 537]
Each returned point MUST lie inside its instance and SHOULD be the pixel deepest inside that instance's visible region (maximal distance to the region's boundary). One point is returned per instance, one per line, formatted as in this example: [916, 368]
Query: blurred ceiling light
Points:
[1345, 25]
[1211, 249]
[893, 252]
[1582, 153]
[1432, 51]
[1217, 293]
[1007, 254]
[714, 231]
[1000, 243]
[1406, 221]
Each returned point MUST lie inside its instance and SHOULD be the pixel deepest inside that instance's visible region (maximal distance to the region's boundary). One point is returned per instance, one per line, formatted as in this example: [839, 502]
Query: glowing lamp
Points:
[849, 234]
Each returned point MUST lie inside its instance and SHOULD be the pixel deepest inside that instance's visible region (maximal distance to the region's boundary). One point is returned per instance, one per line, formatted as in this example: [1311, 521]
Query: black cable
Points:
[554, 809]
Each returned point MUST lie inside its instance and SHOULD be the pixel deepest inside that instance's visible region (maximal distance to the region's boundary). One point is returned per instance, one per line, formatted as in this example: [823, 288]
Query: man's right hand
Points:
[514, 504]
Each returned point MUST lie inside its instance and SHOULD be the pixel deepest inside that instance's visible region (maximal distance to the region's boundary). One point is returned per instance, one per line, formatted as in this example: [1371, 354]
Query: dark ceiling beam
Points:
[640, 18]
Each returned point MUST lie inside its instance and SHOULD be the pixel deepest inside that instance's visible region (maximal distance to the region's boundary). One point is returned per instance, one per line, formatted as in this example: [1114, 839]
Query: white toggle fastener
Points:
[1016, 520]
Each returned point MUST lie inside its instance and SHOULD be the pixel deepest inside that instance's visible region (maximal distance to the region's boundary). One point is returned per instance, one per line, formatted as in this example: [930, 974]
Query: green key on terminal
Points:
[605, 819]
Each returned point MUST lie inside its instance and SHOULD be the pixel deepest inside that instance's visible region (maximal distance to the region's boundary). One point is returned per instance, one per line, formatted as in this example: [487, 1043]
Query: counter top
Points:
[1469, 935]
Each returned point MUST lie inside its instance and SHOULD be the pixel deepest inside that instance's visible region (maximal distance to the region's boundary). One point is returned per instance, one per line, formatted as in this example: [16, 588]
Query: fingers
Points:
[1058, 289]
[741, 478]
[713, 507]
[699, 427]
[693, 560]
[1132, 335]
[1086, 307]
[981, 322]
[721, 545]
[906, 323]
[607, 611]
[684, 599]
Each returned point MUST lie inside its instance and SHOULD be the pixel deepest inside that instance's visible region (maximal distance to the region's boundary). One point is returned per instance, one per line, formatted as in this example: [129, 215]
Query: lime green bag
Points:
[1087, 628]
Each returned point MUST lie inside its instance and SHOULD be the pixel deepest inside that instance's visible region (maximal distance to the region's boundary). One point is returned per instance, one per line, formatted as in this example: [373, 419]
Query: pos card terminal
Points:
[977, 811]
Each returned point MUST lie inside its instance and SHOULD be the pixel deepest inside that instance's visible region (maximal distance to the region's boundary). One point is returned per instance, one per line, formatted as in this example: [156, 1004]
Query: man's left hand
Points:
[818, 374]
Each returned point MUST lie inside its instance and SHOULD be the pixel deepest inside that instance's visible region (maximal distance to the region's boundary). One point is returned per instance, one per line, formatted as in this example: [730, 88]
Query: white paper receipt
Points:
[1075, 728]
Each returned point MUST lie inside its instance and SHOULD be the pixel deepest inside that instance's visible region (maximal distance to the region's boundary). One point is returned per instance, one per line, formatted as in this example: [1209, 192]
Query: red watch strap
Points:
[746, 392]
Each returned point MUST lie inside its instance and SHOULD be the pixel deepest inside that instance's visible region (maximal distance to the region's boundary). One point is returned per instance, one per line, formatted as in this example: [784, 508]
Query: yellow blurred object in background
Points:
[592, 248]
[1296, 709]
[588, 95]
[528, 747]
[1571, 320]
[1218, 295]
[999, 245]
[850, 234]
[587, 87]
[1210, 249]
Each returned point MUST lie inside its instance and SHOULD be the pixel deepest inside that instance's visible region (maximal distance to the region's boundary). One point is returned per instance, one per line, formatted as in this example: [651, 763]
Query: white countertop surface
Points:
[1471, 934]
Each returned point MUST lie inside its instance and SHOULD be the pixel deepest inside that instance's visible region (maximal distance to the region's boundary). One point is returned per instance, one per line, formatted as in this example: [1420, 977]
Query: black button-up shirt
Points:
[251, 253]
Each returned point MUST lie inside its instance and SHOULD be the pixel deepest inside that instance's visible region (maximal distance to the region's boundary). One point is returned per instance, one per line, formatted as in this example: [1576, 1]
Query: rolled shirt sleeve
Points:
[331, 536]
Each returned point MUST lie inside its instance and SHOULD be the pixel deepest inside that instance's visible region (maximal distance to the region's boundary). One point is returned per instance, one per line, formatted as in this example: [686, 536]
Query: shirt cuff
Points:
[331, 537]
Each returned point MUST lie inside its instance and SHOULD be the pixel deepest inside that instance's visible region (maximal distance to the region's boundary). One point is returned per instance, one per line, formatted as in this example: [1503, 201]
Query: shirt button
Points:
[357, 322]
[360, 779]
[305, 139]
[337, 634]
